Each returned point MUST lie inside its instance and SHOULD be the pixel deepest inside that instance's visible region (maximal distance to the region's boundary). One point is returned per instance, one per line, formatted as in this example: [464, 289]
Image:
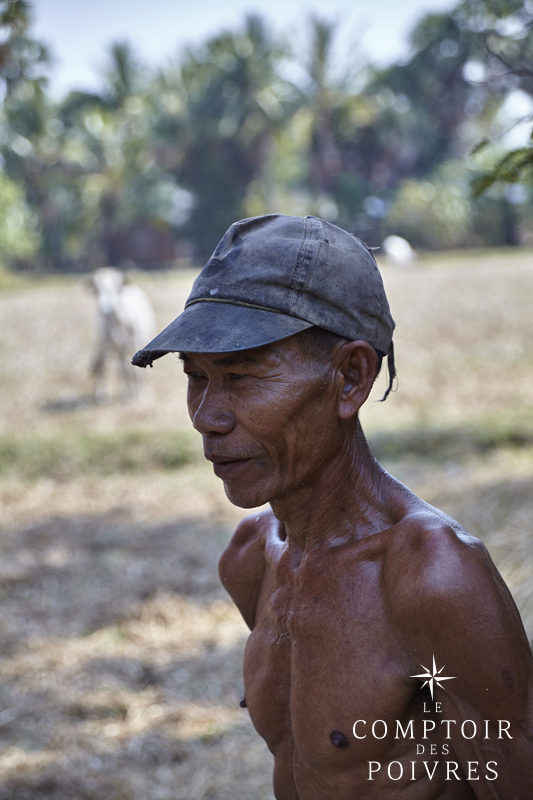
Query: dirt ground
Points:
[121, 654]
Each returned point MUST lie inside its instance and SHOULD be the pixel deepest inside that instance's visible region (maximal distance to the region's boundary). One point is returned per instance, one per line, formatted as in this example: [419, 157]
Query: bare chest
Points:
[322, 656]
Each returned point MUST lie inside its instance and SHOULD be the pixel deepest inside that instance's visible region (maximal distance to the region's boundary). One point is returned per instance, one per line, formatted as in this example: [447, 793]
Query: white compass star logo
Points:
[432, 677]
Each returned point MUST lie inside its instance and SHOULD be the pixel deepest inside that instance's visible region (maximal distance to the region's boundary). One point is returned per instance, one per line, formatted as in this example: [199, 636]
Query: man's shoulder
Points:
[248, 539]
[445, 597]
[429, 555]
[242, 564]
[252, 531]
[434, 570]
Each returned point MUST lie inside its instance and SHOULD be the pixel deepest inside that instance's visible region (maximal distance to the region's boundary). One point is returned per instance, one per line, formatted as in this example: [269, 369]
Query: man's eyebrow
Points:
[226, 361]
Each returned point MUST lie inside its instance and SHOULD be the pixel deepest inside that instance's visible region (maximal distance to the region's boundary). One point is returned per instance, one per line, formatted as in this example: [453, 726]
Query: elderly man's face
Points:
[268, 417]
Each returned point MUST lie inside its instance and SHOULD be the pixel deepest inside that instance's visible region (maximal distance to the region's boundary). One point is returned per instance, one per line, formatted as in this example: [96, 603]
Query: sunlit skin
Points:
[349, 584]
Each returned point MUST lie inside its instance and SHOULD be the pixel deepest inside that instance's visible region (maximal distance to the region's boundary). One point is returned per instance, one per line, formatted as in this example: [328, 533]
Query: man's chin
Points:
[243, 497]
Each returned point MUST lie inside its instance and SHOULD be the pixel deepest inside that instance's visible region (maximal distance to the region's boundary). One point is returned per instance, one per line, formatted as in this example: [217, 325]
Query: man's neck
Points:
[346, 501]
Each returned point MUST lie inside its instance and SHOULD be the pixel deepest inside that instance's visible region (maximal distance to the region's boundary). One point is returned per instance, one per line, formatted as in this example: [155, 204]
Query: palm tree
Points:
[119, 182]
[233, 105]
[14, 22]
[323, 93]
[21, 59]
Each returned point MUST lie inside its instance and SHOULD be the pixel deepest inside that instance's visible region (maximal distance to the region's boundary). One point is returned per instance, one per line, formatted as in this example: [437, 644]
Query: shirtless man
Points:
[387, 658]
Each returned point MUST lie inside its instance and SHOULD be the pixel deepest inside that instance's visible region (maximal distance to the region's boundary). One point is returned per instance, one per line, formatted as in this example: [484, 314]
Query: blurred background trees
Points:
[154, 167]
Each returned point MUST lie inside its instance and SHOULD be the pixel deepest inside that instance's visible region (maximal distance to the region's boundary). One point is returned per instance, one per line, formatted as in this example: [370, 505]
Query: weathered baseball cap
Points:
[273, 276]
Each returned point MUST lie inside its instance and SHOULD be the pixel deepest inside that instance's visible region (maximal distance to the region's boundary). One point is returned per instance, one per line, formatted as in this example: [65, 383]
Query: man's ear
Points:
[357, 371]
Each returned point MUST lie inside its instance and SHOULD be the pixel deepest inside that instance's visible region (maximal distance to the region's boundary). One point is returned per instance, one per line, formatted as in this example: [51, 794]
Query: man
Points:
[386, 655]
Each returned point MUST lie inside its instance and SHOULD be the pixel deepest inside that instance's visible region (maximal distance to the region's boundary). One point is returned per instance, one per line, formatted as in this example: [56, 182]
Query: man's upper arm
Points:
[453, 605]
[242, 565]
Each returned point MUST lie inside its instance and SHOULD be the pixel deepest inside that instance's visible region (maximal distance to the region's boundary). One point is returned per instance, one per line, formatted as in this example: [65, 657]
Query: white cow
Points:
[127, 322]
[398, 252]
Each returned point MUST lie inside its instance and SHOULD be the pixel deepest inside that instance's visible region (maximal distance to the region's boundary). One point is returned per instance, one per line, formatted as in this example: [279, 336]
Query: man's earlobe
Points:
[357, 370]
[348, 405]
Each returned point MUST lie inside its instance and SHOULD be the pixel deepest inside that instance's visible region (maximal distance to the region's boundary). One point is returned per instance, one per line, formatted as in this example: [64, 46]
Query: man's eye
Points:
[194, 375]
[236, 376]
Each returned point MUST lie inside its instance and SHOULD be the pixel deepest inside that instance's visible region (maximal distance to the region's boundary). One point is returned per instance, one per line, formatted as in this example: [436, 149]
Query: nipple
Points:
[242, 702]
[338, 739]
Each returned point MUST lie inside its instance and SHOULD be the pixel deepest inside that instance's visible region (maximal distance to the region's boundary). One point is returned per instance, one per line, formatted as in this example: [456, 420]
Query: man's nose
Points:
[214, 414]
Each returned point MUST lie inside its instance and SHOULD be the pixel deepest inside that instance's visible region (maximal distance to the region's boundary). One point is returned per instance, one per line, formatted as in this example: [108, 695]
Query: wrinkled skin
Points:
[351, 583]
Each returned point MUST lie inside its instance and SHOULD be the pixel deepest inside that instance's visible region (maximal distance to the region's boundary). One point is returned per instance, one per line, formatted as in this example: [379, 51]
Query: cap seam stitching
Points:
[233, 303]
[300, 260]
[298, 281]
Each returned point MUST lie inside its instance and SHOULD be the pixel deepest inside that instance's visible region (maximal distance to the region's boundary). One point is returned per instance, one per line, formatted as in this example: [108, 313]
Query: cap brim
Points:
[207, 327]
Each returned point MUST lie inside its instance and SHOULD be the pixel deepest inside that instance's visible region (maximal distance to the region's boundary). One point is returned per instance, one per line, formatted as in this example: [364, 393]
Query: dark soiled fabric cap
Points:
[273, 276]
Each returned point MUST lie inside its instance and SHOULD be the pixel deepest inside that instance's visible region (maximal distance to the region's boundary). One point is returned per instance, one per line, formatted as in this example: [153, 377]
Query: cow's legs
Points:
[128, 376]
[100, 393]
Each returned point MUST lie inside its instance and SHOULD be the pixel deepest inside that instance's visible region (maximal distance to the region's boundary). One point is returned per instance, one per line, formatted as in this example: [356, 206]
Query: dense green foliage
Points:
[507, 28]
[154, 166]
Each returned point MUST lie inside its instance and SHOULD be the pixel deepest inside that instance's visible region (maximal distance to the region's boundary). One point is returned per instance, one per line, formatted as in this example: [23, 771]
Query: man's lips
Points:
[224, 466]
[223, 459]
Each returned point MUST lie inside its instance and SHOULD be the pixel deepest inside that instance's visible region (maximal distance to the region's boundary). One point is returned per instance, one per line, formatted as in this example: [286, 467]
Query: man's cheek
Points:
[293, 452]
[192, 400]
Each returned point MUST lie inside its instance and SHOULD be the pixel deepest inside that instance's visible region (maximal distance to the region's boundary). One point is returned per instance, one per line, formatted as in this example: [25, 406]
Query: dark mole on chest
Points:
[507, 679]
[338, 739]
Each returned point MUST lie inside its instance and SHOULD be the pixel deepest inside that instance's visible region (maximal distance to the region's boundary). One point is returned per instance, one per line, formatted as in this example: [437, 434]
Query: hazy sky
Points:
[78, 31]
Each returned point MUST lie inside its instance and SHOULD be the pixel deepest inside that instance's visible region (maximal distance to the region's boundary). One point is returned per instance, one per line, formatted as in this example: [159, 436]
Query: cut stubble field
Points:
[121, 654]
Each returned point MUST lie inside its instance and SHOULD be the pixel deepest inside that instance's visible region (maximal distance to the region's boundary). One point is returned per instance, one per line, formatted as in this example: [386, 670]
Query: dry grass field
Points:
[121, 655]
